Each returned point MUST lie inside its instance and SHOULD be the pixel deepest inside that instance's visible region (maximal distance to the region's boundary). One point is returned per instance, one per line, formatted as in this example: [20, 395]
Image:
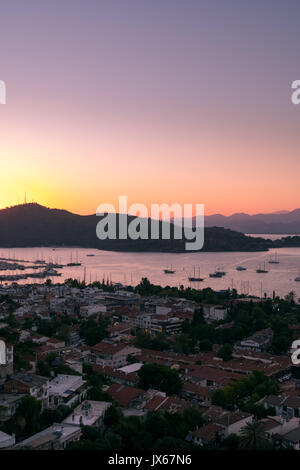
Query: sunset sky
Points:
[160, 100]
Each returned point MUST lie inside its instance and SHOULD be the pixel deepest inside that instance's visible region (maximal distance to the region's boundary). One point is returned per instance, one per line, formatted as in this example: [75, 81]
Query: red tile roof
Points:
[109, 349]
[124, 395]
[208, 432]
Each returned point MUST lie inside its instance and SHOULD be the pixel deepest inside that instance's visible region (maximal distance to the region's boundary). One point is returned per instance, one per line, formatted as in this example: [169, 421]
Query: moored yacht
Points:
[240, 268]
[196, 278]
[274, 261]
[262, 271]
[167, 270]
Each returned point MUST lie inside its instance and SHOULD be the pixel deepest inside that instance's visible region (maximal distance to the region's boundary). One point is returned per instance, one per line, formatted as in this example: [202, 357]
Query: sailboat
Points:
[169, 271]
[297, 279]
[262, 271]
[73, 264]
[240, 268]
[217, 273]
[196, 278]
[274, 261]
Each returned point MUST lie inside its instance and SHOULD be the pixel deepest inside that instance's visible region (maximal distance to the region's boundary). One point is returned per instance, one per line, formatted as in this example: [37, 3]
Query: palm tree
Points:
[253, 437]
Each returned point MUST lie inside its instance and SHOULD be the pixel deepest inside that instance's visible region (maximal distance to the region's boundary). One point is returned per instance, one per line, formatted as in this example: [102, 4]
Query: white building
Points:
[131, 368]
[66, 390]
[88, 413]
[6, 440]
[112, 355]
[214, 312]
[56, 437]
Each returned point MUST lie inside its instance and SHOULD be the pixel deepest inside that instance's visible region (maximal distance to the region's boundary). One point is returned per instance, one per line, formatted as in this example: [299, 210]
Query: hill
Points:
[35, 225]
[282, 222]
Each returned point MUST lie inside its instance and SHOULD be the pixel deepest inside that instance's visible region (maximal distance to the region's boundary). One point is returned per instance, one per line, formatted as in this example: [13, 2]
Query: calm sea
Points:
[129, 268]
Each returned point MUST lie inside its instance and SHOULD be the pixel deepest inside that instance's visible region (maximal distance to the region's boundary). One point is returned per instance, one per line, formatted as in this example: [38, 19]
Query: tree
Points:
[171, 444]
[192, 418]
[90, 433]
[160, 377]
[93, 332]
[231, 442]
[63, 333]
[113, 441]
[198, 316]
[43, 369]
[253, 437]
[281, 343]
[205, 345]
[95, 393]
[11, 319]
[290, 297]
[225, 352]
[219, 398]
[256, 385]
[131, 359]
[10, 335]
[144, 340]
[112, 415]
[157, 425]
[28, 415]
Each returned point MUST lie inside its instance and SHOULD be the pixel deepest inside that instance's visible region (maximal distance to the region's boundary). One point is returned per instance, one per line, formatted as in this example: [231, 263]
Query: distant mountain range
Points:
[35, 225]
[281, 222]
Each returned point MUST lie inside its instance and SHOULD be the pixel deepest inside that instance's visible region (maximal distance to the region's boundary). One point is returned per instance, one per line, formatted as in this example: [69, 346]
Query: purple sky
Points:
[164, 101]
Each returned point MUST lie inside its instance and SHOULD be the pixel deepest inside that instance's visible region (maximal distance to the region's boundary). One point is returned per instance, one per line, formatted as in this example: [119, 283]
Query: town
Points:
[111, 367]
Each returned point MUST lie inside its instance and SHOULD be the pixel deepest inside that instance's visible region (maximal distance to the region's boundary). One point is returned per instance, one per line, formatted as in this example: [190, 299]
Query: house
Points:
[39, 339]
[29, 384]
[6, 441]
[163, 403]
[73, 363]
[55, 437]
[112, 354]
[7, 368]
[8, 405]
[131, 368]
[119, 330]
[143, 320]
[74, 335]
[259, 342]
[195, 392]
[207, 435]
[127, 397]
[275, 425]
[117, 375]
[287, 407]
[292, 439]
[57, 343]
[89, 310]
[211, 377]
[273, 401]
[24, 335]
[88, 413]
[214, 312]
[165, 324]
[233, 422]
[290, 408]
[66, 390]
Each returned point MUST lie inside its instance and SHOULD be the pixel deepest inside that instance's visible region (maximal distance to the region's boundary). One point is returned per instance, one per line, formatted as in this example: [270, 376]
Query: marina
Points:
[130, 268]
